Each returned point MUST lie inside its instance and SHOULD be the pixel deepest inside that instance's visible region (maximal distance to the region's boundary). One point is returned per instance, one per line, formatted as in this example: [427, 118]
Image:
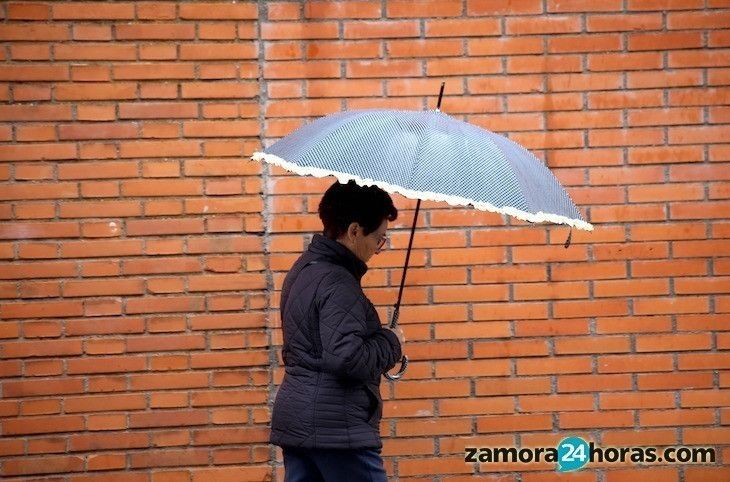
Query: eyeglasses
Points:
[381, 243]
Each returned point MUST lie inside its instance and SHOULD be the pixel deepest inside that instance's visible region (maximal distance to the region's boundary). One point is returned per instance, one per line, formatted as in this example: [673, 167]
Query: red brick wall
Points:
[141, 254]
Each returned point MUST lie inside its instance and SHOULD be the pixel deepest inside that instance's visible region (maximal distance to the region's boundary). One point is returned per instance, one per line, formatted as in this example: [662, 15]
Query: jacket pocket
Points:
[376, 403]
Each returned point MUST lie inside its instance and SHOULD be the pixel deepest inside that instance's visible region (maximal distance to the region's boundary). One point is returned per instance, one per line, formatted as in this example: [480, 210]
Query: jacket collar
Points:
[335, 252]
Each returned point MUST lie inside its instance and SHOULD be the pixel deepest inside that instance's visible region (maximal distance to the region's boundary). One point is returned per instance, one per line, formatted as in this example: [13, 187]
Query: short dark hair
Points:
[343, 204]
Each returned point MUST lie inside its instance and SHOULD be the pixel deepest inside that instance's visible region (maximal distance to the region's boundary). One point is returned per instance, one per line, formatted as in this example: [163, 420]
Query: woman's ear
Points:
[352, 230]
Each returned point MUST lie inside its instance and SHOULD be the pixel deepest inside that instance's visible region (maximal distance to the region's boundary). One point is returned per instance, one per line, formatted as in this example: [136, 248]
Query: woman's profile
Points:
[327, 411]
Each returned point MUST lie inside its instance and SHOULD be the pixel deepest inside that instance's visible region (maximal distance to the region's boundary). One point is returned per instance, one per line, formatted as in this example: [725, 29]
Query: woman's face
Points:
[365, 246]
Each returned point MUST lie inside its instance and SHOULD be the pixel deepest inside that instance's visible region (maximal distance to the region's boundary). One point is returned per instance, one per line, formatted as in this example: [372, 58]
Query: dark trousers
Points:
[333, 465]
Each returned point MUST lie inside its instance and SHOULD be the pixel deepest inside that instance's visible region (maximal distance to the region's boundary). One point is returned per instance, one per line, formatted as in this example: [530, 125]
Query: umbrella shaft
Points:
[396, 312]
[405, 268]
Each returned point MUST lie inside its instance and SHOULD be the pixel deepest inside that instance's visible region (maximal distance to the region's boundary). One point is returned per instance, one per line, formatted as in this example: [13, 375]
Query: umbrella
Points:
[427, 155]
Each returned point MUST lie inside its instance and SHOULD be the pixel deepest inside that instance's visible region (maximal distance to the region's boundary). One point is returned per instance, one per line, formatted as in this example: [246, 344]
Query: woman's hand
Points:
[399, 333]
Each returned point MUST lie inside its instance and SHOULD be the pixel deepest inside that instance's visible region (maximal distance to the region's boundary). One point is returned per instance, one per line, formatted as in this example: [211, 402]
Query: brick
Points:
[283, 11]
[74, 249]
[39, 230]
[104, 403]
[229, 90]
[498, 311]
[297, 108]
[664, 5]
[218, 51]
[699, 96]
[702, 285]
[94, 91]
[674, 342]
[432, 388]
[663, 41]
[544, 102]
[545, 366]
[94, 51]
[588, 383]
[649, 193]
[158, 31]
[381, 29]
[547, 291]
[542, 25]
[654, 232]
[698, 210]
[41, 425]
[219, 11]
[547, 403]
[718, 39]
[169, 458]
[489, 8]
[684, 304]
[576, 309]
[665, 155]
[27, 349]
[345, 9]
[26, 191]
[580, 6]
[164, 305]
[584, 43]
[470, 27]
[648, 324]
[226, 282]
[252, 472]
[510, 348]
[103, 288]
[698, 135]
[345, 50]
[155, 11]
[624, 22]
[627, 61]
[170, 418]
[552, 63]
[92, 11]
[532, 254]
[229, 359]
[296, 30]
[288, 70]
[582, 82]
[28, 11]
[700, 172]
[450, 294]
[107, 441]
[283, 51]
[635, 363]
[423, 48]
[658, 78]
[697, 20]
[700, 361]
[340, 88]
[581, 120]
[42, 309]
[377, 68]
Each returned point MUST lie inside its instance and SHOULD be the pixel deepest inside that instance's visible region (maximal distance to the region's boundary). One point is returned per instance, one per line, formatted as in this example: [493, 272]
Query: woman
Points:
[327, 411]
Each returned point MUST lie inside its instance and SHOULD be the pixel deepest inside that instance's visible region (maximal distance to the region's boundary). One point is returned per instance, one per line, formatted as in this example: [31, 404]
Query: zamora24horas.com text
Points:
[574, 453]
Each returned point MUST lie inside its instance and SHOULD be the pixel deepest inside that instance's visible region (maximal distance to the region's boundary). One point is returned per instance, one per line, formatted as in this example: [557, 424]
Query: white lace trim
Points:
[538, 217]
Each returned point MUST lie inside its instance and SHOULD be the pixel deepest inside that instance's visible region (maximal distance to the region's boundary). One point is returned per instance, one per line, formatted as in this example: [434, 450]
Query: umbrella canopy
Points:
[427, 155]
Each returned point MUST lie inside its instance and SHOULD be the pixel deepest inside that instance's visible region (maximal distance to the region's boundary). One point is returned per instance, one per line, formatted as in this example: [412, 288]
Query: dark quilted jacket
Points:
[335, 353]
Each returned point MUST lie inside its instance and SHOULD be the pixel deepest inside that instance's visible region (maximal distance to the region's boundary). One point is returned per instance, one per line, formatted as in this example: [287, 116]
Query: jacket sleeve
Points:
[349, 349]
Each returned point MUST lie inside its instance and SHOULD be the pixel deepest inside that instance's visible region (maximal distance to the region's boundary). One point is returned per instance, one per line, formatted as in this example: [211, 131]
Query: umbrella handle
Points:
[403, 366]
[393, 324]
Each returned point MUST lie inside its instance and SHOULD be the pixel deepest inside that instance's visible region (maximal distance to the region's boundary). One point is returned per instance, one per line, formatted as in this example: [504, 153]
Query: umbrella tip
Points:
[441, 94]
[567, 241]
